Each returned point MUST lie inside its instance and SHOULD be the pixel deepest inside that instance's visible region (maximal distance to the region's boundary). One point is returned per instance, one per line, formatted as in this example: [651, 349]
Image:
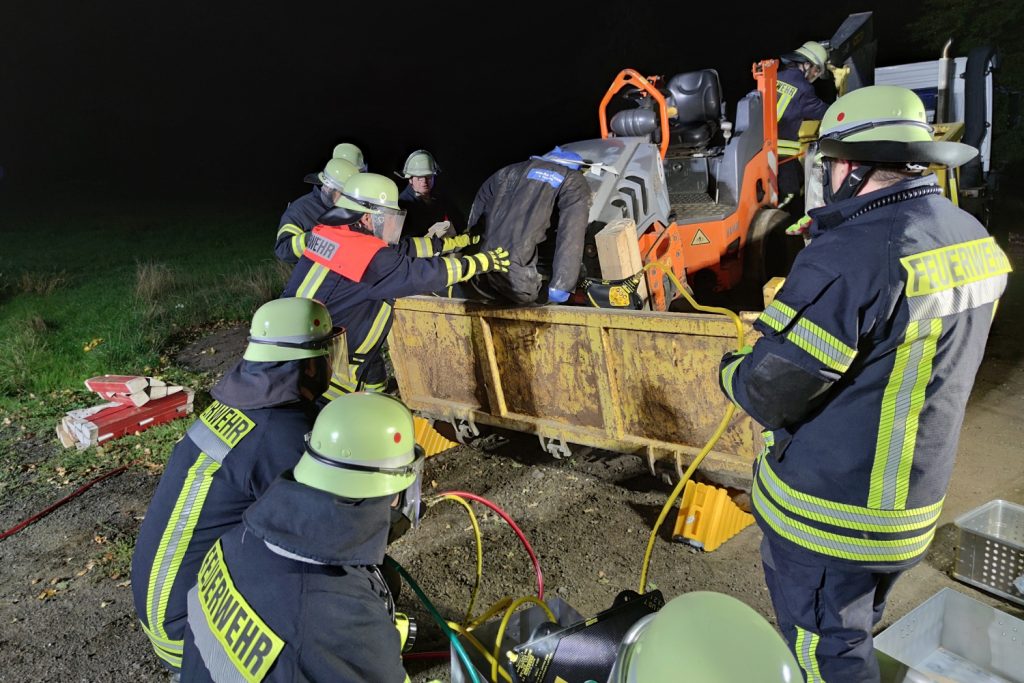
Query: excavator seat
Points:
[697, 96]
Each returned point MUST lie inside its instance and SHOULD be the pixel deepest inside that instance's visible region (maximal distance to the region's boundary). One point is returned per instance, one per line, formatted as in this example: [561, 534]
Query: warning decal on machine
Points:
[699, 238]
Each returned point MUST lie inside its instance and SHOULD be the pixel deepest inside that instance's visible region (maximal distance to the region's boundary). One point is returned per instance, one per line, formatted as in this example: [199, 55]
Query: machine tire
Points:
[768, 251]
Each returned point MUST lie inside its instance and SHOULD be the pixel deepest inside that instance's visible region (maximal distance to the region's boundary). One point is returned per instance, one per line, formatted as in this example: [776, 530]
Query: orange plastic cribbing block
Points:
[708, 517]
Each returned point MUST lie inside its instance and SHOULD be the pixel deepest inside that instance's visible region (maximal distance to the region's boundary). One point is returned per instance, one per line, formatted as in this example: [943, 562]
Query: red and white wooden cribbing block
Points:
[136, 404]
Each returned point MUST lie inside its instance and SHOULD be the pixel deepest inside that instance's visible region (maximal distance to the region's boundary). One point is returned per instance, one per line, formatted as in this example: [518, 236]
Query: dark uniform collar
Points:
[833, 215]
[320, 526]
[253, 384]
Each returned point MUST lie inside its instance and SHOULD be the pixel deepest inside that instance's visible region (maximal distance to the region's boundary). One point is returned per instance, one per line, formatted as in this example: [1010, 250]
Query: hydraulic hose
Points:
[504, 624]
[515, 527]
[465, 633]
[726, 418]
[479, 552]
[77, 492]
[459, 650]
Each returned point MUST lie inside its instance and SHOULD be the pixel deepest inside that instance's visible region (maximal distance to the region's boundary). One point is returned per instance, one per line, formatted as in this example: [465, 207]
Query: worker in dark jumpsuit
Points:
[428, 212]
[356, 264]
[294, 593]
[302, 214]
[797, 102]
[861, 377]
[250, 433]
[520, 206]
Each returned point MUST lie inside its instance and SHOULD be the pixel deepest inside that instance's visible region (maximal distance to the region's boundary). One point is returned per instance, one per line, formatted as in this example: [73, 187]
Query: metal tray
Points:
[990, 550]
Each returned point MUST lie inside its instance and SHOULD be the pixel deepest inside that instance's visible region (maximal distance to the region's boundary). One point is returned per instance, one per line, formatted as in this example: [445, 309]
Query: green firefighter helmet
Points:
[351, 154]
[812, 52]
[335, 173]
[369, 193]
[362, 445]
[419, 164]
[291, 328]
[712, 637]
[885, 124]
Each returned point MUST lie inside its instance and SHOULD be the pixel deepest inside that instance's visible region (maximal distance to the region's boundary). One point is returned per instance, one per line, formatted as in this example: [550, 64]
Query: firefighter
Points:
[712, 637]
[249, 434]
[516, 207]
[428, 213]
[302, 214]
[351, 154]
[861, 378]
[355, 264]
[797, 102]
[295, 592]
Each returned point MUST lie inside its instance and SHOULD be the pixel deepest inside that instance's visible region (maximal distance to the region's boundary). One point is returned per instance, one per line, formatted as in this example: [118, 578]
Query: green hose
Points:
[459, 650]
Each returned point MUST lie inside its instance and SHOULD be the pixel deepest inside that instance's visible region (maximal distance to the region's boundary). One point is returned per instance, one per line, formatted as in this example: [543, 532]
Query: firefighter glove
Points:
[441, 229]
[800, 227]
[494, 261]
[458, 242]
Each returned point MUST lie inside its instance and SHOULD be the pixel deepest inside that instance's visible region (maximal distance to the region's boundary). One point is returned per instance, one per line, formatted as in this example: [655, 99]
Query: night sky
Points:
[186, 100]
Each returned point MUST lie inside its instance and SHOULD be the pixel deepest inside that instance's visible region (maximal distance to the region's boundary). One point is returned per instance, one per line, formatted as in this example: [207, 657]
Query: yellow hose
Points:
[479, 553]
[464, 632]
[504, 624]
[714, 437]
[496, 608]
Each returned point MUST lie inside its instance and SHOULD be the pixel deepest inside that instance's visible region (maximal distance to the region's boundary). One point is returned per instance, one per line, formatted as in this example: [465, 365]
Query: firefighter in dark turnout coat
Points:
[294, 593]
[229, 456]
[516, 208]
[355, 264]
[428, 212]
[868, 356]
[796, 102]
[302, 214]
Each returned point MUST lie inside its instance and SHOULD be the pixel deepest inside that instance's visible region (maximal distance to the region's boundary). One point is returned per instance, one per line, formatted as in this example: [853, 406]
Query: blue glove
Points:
[557, 296]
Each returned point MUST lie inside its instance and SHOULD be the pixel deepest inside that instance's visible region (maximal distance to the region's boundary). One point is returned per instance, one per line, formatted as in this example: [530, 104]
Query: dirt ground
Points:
[62, 618]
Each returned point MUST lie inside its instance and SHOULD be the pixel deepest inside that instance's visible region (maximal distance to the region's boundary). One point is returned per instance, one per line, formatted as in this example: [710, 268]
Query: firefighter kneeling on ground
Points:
[294, 593]
[229, 456]
[357, 265]
[862, 374]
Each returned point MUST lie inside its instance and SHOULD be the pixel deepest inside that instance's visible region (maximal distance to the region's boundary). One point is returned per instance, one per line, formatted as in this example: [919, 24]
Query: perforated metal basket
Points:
[990, 551]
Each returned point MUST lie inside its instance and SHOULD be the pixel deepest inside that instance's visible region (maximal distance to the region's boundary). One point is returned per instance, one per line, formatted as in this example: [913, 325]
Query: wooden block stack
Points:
[134, 404]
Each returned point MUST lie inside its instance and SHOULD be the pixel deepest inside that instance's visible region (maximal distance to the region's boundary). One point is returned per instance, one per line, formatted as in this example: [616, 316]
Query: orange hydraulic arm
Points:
[633, 78]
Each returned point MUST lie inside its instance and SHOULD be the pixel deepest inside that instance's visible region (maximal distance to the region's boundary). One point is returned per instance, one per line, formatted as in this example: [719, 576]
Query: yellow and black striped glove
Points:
[462, 268]
[458, 242]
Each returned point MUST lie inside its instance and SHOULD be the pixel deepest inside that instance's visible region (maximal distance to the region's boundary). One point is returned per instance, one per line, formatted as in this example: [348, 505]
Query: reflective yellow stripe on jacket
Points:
[173, 544]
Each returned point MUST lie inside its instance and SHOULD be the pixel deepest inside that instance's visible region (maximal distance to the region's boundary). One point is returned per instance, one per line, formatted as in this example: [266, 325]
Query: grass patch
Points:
[109, 297]
[42, 283]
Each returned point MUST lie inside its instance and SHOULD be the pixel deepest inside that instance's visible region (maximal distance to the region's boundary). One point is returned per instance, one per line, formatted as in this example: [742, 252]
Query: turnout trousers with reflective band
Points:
[826, 613]
[862, 374]
[227, 458]
[358, 277]
[263, 612]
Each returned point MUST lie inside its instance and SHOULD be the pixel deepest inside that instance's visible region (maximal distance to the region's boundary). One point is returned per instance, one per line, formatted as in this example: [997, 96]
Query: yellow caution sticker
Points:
[699, 239]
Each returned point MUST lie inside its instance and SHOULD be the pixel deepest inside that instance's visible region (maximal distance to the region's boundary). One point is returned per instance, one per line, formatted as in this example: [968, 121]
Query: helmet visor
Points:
[387, 225]
[337, 352]
[412, 497]
[624, 669]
